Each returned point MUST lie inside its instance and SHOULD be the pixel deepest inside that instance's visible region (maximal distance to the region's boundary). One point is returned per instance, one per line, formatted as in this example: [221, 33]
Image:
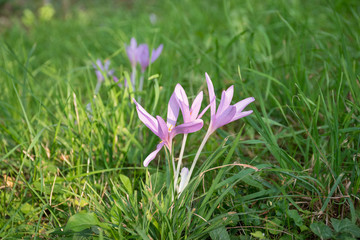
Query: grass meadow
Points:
[71, 157]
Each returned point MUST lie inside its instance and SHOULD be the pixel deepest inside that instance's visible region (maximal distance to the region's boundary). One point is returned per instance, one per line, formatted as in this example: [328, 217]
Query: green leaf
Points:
[232, 219]
[345, 226]
[127, 184]
[274, 226]
[219, 234]
[294, 215]
[258, 235]
[321, 230]
[26, 208]
[81, 221]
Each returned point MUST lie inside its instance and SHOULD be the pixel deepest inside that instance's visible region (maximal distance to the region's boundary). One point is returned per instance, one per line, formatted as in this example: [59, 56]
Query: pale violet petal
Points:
[225, 101]
[183, 102]
[241, 115]
[133, 43]
[110, 72]
[205, 109]
[156, 53]
[211, 95]
[146, 118]
[99, 64]
[163, 131]
[243, 103]
[173, 111]
[99, 75]
[152, 155]
[106, 65]
[224, 118]
[143, 56]
[189, 127]
[195, 107]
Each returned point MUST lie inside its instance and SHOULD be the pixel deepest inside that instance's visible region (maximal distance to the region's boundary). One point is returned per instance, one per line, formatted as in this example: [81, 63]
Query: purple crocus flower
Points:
[132, 52]
[189, 114]
[116, 80]
[101, 69]
[143, 55]
[225, 113]
[166, 131]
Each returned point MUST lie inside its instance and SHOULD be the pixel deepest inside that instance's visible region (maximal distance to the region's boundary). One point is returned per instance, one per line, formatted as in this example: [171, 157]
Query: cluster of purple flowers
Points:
[166, 131]
[136, 54]
[140, 54]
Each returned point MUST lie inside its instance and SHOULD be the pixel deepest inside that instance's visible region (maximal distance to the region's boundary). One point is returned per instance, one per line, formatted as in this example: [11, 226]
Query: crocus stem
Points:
[180, 160]
[208, 133]
[173, 161]
[141, 85]
[97, 88]
[133, 75]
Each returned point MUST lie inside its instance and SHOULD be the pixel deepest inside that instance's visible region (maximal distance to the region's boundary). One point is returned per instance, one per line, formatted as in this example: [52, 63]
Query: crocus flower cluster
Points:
[136, 54]
[141, 54]
[166, 131]
[102, 71]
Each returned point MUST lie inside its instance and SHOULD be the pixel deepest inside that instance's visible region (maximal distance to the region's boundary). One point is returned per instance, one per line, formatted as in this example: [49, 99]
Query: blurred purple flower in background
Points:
[132, 52]
[144, 57]
[153, 18]
[140, 54]
[101, 69]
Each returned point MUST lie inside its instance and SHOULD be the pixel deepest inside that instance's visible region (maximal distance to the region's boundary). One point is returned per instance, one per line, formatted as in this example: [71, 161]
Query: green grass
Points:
[300, 60]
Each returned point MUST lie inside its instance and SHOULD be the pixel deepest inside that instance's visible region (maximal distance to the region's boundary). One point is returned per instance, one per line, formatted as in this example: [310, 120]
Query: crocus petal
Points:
[146, 118]
[99, 64]
[184, 173]
[224, 118]
[225, 101]
[205, 109]
[241, 115]
[131, 51]
[117, 80]
[195, 107]
[189, 127]
[183, 102]
[99, 75]
[211, 95]
[106, 65]
[181, 94]
[163, 131]
[156, 53]
[152, 155]
[173, 111]
[243, 103]
[133, 43]
[110, 72]
[143, 56]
